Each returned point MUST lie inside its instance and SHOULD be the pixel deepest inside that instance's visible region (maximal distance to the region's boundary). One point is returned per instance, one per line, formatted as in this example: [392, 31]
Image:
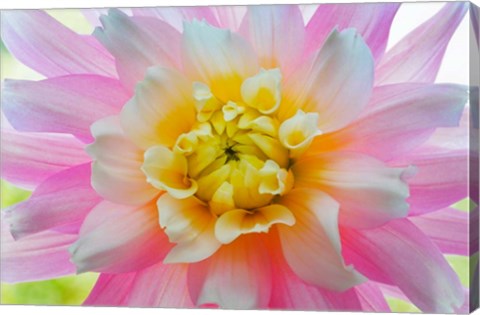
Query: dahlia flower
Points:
[238, 157]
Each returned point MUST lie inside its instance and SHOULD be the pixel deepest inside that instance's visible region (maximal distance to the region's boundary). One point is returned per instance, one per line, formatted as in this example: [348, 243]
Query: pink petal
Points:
[441, 179]
[371, 298]
[119, 239]
[30, 158]
[111, 290]
[68, 104]
[278, 43]
[50, 48]
[36, 257]
[161, 286]
[448, 228]
[150, 42]
[369, 192]
[416, 109]
[116, 169]
[411, 261]
[417, 57]
[229, 16]
[371, 20]
[62, 199]
[175, 16]
[289, 292]
[312, 247]
[341, 71]
[237, 276]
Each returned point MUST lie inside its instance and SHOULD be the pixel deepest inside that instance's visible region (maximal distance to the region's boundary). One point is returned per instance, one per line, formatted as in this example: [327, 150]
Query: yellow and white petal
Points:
[297, 132]
[217, 57]
[275, 180]
[248, 116]
[161, 109]
[263, 91]
[236, 222]
[208, 184]
[203, 131]
[167, 170]
[204, 155]
[312, 246]
[231, 110]
[116, 173]
[186, 143]
[271, 147]
[245, 180]
[189, 223]
[222, 200]
[205, 102]
[265, 124]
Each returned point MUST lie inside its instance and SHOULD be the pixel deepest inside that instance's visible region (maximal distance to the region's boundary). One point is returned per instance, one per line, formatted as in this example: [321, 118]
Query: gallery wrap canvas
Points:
[319, 157]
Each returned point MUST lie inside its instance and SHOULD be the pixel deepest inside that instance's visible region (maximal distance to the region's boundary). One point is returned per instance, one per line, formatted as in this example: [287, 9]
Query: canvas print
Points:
[291, 157]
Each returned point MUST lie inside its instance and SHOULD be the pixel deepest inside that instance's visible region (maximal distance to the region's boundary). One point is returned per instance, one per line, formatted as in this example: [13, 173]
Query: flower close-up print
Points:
[240, 157]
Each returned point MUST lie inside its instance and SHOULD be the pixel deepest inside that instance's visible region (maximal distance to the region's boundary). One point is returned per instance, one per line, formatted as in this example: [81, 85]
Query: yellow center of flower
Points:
[238, 153]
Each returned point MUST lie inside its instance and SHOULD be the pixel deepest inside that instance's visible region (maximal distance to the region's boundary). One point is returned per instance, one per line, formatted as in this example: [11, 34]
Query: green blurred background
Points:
[73, 290]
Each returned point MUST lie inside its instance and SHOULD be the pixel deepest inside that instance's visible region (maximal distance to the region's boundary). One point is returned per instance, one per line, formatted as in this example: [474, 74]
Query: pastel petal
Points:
[448, 228]
[116, 174]
[229, 16]
[62, 199]
[189, 223]
[37, 257]
[176, 16]
[371, 20]
[68, 104]
[161, 109]
[30, 158]
[219, 58]
[151, 42]
[427, 43]
[371, 298]
[238, 276]
[341, 71]
[289, 292]
[369, 192]
[119, 239]
[440, 180]
[421, 271]
[161, 286]
[50, 48]
[111, 290]
[278, 43]
[317, 261]
[417, 110]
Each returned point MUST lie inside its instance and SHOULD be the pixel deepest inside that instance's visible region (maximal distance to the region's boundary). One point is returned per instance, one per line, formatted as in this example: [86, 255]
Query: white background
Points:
[454, 69]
